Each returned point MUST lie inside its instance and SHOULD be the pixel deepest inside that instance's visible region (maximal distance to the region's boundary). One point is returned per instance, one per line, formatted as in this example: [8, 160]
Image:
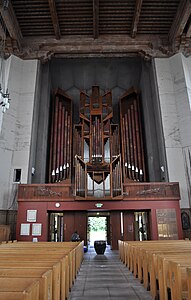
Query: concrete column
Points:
[174, 86]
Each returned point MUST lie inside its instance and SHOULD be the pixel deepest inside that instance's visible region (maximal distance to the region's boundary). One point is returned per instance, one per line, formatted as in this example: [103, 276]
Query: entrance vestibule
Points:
[99, 225]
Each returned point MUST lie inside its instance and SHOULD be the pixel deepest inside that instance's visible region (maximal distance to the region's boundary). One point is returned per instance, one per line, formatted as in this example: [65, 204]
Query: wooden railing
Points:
[151, 191]
[130, 191]
[45, 192]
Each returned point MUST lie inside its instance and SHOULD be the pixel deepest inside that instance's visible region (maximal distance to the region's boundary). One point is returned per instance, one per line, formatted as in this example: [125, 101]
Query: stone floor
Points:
[106, 277]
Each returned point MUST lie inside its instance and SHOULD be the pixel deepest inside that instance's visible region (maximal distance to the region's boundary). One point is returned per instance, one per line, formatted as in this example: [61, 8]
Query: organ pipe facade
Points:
[101, 155]
[61, 138]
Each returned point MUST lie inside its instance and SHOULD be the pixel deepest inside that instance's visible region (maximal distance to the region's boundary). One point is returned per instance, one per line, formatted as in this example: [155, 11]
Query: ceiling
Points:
[95, 28]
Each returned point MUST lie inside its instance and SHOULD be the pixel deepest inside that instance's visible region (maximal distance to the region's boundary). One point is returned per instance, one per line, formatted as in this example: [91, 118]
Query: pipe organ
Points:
[104, 155]
[97, 148]
[61, 138]
[131, 137]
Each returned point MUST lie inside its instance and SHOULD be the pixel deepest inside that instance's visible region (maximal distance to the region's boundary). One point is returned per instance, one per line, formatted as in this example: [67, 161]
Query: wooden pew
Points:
[44, 277]
[188, 271]
[19, 289]
[143, 262]
[141, 258]
[168, 274]
[54, 266]
[150, 264]
[70, 263]
[4, 232]
[57, 283]
[132, 249]
[178, 284]
[76, 246]
[121, 245]
[67, 266]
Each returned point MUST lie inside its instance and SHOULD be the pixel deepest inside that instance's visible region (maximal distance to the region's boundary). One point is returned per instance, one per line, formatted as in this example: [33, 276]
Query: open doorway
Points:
[56, 232]
[135, 225]
[98, 228]
[141, 226]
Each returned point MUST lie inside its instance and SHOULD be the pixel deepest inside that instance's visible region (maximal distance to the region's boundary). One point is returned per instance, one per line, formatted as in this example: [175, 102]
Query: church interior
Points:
[95, 149]
[95, 118]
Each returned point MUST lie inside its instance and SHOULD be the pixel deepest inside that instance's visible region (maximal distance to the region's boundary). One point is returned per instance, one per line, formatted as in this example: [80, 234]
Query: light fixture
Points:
[99, 205]
[4, 99]
[33, 171]
[5, 4]
[4, 94]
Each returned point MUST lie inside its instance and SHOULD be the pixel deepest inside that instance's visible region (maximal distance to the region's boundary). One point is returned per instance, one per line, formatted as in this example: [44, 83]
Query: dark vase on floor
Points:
[100, 247]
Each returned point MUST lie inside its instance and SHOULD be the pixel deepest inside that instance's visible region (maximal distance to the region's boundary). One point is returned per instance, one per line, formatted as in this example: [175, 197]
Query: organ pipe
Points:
[101, 138]
[60, 140]
[132, 137]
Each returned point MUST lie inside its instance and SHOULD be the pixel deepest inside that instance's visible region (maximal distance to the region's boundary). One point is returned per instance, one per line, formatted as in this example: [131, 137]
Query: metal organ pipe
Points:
[62, 143]
[60, 148]
[58, 142]
[139, 154]
[65, 145]
[55, 138]
[68, 162]
[51, 170]
[143, 176]
[134, 137]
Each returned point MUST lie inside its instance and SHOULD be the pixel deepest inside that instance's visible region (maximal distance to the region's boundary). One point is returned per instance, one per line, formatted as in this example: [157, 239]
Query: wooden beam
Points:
[2, 32]
[136, 17]
[11, 22]
[188, 33]
[95, 19]
[180, 20]
[54, 18]
[105, 46]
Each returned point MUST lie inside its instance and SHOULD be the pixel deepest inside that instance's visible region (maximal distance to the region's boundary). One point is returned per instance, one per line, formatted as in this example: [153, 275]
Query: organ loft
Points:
[97, 166]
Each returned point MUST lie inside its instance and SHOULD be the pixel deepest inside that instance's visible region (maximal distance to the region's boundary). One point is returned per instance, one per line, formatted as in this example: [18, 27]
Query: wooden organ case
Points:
[97, 149]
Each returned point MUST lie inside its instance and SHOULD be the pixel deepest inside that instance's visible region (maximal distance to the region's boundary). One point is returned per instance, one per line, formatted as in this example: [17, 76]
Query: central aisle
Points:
[106, 277]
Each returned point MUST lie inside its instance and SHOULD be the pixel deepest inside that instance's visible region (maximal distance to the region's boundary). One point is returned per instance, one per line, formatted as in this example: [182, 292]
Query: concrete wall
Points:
[154, 141]
[15, 135]
[174, 85]
[39, 152]
[74, 75]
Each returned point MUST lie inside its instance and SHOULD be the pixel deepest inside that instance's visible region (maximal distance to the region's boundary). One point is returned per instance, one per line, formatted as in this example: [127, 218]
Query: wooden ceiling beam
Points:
[11, 23]
[54, 17]
[180, 20]
[136, 17]
[104, 46]
[95, 19]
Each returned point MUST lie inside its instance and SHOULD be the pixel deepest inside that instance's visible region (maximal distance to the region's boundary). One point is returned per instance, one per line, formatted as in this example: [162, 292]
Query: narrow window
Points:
[17, 175]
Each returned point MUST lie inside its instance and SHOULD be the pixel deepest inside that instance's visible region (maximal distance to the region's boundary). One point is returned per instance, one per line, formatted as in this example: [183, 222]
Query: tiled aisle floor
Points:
[106, 277]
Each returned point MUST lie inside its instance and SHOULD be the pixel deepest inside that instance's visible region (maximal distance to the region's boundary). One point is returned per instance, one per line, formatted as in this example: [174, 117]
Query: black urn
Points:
[100, 247]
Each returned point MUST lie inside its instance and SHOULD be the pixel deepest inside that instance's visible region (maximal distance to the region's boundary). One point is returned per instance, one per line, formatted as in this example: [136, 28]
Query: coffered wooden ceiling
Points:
[95, 28]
